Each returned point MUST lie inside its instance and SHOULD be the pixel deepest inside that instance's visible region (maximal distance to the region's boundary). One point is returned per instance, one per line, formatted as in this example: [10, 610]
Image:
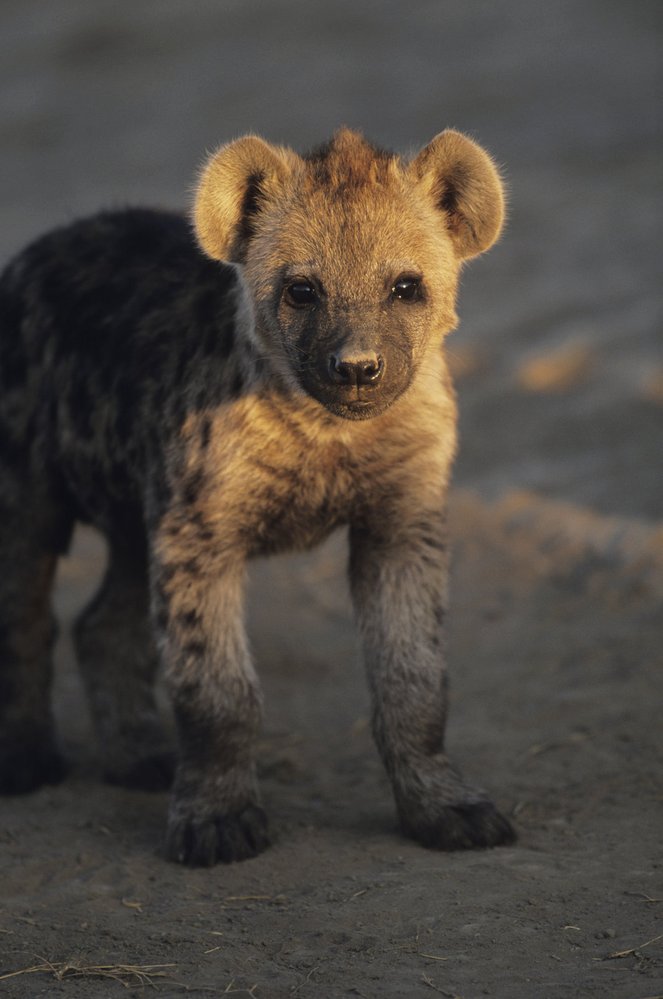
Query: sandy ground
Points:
[558, 576]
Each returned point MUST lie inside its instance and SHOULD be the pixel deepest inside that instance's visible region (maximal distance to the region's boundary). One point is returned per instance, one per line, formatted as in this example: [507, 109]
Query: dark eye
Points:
[300, 293]
[406, 289]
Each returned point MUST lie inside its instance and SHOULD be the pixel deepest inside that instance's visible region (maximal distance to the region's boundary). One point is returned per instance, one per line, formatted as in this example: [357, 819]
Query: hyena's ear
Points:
[234, 185]
[466, 188]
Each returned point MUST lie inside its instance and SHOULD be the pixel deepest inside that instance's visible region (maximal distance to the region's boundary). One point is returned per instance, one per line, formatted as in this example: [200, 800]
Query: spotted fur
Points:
[205, 408]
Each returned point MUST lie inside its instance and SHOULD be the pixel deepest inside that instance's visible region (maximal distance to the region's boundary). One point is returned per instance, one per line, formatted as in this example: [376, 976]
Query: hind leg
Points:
[28, 752]
[118, 661]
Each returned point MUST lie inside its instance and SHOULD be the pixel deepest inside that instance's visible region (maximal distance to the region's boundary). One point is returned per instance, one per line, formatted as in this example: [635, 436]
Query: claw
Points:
[463, 827]
[220, 837]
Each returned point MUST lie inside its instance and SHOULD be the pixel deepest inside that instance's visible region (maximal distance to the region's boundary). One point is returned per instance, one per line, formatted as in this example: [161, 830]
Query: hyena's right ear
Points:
[235, 183]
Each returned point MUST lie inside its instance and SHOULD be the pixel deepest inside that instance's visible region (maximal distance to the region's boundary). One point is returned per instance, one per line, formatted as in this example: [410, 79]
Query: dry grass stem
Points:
[130, 903]
[644, 897]
[436, 988]
[544, 747]
[295, 990]
[632, 950]
[254, 898]
[126, 974]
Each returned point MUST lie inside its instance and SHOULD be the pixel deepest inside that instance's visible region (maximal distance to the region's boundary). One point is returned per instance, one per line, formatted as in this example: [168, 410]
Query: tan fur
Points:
[282, 470]
[223, 184]
[460, 176]
[299, 388]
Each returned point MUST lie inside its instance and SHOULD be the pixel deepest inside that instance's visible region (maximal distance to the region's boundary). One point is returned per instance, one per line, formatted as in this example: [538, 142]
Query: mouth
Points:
[352, 403]
[355, 409]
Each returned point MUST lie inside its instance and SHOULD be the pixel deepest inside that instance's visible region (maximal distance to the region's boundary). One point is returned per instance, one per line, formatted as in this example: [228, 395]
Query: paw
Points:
[224, 837]
[25, 766]
[153, 772]
[463, 826]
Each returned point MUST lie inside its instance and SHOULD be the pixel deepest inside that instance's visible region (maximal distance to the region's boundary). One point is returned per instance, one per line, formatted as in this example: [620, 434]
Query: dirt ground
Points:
[557, 519]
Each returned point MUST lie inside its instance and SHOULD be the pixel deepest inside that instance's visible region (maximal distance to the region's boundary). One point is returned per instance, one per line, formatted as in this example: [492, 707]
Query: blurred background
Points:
[555, 634]
[559, 358]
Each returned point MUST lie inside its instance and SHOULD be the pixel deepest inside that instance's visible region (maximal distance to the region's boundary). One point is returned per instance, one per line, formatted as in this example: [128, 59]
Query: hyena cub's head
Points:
[351, 255]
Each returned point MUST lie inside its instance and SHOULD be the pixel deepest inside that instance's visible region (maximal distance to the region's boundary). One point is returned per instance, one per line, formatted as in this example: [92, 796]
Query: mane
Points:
[348, 160]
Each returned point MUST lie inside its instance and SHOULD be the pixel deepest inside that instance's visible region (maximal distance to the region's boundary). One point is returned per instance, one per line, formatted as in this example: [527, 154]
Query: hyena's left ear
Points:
[466, 187]
[235, 184]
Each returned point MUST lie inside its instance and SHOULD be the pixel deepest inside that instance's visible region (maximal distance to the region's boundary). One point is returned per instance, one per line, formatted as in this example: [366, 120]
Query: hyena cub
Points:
[201, 412]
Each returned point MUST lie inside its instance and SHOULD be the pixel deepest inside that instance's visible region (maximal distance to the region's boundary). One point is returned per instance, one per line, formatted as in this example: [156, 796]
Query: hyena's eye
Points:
[407, 288]
[300, 294]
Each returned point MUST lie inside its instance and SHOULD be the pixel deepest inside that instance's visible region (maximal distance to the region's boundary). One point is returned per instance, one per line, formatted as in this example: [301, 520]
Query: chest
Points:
[274, 477]
[271, 483]
[294, 498]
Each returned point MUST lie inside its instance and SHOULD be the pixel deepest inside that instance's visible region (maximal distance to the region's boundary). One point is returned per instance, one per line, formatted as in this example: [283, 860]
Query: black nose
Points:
[366, 369]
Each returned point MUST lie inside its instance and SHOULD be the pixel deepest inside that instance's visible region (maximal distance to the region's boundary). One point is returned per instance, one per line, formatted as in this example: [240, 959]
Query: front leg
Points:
[214, 811]
[399, 569]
